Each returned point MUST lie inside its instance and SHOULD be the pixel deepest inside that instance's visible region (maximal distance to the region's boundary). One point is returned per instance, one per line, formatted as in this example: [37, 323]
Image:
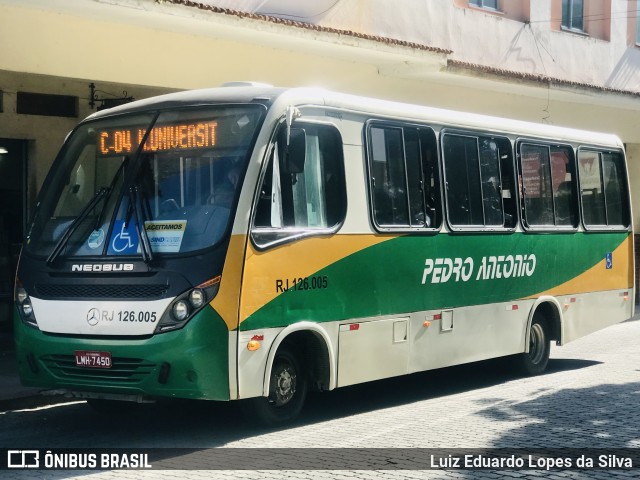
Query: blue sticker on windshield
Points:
[124, 240]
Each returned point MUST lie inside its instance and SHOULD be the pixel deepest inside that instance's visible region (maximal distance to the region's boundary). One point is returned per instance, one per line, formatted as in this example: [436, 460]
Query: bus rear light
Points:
[625, 296]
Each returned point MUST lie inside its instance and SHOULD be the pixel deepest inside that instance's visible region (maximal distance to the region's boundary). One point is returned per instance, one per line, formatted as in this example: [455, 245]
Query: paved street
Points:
[588, 399]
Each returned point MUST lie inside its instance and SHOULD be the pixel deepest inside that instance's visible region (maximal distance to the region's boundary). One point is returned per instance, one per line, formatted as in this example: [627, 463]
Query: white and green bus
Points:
[251, 242]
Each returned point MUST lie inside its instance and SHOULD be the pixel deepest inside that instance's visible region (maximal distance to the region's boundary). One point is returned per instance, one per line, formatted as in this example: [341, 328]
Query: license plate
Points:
[90, 359]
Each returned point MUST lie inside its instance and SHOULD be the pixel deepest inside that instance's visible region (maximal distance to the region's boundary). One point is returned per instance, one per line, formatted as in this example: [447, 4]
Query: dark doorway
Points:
[13, 174]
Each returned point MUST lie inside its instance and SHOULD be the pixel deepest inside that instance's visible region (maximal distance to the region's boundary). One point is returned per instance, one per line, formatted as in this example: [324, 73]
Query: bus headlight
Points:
[24, 305]
[187, 305]
[196, 298]
[180, 310]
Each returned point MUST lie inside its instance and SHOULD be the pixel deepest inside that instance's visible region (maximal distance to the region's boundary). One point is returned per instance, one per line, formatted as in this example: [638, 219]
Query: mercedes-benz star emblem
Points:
[93, 316]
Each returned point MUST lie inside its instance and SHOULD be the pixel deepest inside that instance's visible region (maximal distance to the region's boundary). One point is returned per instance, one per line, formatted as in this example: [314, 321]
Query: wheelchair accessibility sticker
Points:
[124, 239]
[608, 259]
[164, 237]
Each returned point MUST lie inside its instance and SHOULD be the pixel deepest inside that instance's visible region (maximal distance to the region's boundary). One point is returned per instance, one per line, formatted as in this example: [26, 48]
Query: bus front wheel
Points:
[287, 391]
[534, 362]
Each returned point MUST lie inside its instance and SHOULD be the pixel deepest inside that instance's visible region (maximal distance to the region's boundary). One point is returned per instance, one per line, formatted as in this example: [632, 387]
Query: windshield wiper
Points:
[111, 187]
[62, 243]
[134, 205]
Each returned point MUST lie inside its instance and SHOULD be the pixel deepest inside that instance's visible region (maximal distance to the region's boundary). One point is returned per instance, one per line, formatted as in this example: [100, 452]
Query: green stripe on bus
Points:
[416, 273]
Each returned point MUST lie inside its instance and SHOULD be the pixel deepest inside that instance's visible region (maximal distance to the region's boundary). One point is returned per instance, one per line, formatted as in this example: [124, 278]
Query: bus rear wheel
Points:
[288, 385]
[534, 362]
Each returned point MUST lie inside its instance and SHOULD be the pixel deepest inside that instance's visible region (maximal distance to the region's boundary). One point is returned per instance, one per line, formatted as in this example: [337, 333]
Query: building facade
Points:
[573, 63]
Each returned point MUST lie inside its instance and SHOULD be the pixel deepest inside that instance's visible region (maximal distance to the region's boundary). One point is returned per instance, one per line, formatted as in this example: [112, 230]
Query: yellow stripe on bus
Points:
[598, 277]
[227, 300]
[293, 261]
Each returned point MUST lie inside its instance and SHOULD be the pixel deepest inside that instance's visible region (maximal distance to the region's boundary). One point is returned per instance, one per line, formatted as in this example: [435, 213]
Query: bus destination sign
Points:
[183, 136]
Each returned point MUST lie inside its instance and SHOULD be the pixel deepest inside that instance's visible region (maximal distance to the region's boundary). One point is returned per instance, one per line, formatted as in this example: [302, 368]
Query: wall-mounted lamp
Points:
[114, 101]
[3, 150]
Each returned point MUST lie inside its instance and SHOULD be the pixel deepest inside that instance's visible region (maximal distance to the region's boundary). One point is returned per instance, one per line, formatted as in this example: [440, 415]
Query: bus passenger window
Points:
[312, 200]
[563, 179]
[548, 185]
[602, 189]
[479, 181]
[462, 173]
[391, 206]
[404, 177]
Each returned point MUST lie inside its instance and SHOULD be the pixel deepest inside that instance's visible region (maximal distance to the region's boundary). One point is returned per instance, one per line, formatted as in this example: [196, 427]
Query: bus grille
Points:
[124, 370]
[49, 290]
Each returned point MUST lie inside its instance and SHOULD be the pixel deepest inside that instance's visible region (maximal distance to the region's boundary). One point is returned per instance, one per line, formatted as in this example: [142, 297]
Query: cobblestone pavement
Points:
[589, 398]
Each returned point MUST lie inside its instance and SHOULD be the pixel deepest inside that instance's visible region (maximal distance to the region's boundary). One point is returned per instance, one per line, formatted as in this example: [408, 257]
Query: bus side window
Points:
[404, 177]
[548, 185]
[508, 188]
[614, 189]
[388, 177]
[563, 179]
[431, 177]
[308, 201]
[479, 181]
[602, 189]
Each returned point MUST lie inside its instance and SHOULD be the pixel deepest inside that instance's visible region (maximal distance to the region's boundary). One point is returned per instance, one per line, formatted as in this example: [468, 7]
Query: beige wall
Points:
[73, 51]
[46, 134]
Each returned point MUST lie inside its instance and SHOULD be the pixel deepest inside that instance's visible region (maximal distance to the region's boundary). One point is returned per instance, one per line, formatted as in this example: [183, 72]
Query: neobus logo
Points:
[441, 270]
[103, 267]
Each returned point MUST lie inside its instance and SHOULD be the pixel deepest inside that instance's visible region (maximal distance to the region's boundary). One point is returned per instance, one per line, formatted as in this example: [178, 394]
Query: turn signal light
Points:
[253, 345]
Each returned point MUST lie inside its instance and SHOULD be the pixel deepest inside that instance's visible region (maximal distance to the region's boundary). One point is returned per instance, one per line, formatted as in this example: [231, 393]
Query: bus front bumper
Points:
[188, 363]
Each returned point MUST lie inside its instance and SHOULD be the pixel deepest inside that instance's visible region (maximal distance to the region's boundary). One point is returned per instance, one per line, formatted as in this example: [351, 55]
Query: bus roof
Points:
[376, 108]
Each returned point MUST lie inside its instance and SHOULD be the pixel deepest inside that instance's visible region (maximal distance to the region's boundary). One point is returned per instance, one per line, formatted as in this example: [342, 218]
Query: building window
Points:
[572, 14]
[490, 4]
[638, 22]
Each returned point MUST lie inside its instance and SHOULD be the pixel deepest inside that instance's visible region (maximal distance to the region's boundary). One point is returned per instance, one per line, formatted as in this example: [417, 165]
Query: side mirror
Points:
[293, 155]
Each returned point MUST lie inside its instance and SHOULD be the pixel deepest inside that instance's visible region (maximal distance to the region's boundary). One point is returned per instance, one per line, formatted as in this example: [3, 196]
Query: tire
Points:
[535, 361]
[287, 391]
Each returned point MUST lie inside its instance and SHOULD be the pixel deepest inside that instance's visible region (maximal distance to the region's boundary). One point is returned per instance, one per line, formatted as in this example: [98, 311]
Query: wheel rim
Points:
[536, 343]
[283, 384]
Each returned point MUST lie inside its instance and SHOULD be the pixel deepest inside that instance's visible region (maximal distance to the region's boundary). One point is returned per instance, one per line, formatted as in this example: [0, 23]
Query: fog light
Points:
[27, 309]
[180, 310]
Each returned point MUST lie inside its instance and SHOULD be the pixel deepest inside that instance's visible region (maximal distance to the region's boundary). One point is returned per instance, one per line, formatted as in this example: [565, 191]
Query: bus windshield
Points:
[172, 179]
